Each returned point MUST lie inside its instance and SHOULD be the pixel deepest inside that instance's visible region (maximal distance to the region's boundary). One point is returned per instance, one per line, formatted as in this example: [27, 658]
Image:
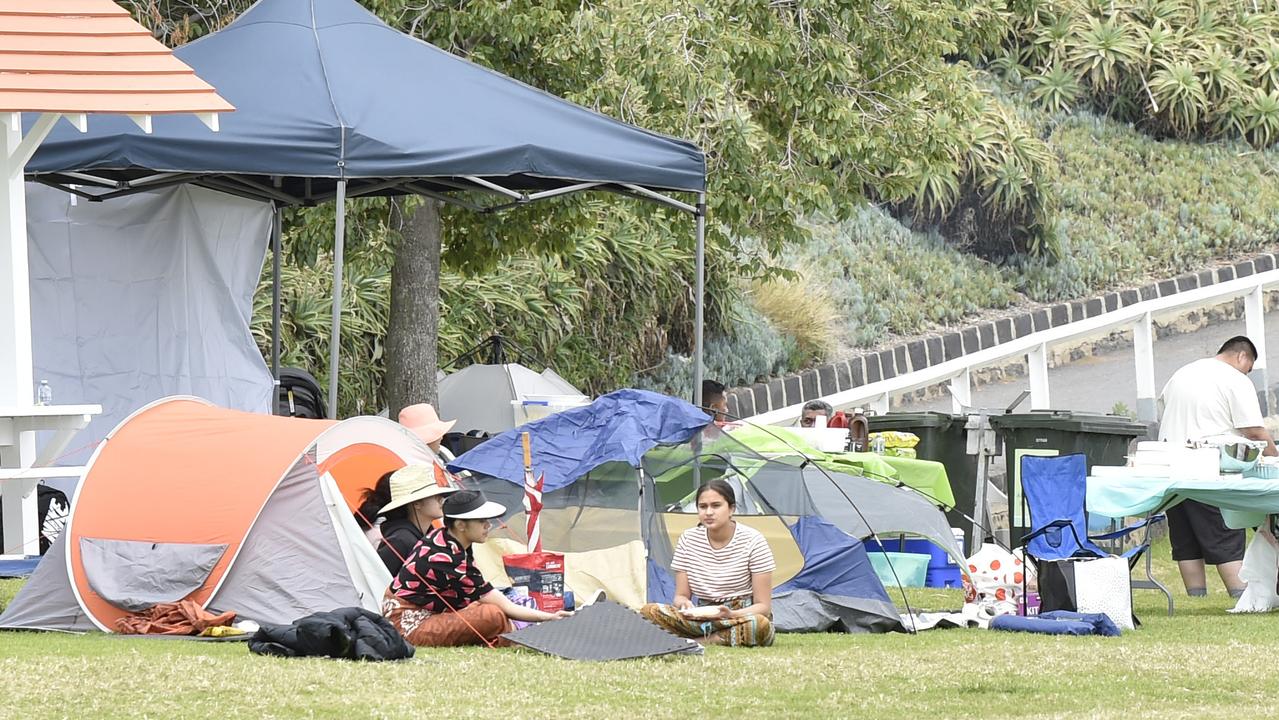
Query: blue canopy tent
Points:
[331, 103]
[611, 470]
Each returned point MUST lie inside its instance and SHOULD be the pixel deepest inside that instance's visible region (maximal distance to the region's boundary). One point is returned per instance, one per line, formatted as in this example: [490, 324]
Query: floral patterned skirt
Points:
[749, 631]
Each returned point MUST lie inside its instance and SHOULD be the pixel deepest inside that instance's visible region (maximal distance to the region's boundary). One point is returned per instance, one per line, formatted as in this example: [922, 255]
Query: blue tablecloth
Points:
[1244, 502]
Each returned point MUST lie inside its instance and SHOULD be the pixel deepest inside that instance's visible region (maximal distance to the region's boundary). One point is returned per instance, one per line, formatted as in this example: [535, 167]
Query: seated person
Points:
[715, 400]
[411, 498]
[729, 567]
[440, 598]
[814, 408]
[424, 422]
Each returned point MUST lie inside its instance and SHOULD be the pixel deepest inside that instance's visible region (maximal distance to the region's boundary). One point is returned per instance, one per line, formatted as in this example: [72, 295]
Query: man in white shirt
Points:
[1209, 397]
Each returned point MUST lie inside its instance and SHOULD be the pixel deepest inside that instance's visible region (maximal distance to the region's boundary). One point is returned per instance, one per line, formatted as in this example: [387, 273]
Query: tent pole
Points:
[275, 306]
[339, 239]
[701, 293]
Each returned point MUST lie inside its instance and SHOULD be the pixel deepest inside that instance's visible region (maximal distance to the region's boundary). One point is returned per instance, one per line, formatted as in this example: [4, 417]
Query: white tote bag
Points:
[1104, 585]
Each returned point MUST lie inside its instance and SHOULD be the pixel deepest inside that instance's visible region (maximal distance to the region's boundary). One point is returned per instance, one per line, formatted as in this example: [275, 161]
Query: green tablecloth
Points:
[926, 476]
[1244, 502]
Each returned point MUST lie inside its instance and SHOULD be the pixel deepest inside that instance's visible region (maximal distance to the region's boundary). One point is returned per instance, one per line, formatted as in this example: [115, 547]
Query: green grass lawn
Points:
[1202, 663]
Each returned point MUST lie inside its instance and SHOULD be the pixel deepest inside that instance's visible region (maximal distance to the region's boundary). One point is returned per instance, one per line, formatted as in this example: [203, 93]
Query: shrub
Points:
[799, 309]
[1134, 208]
[887, 280]
[752, 348]
[1187, 69]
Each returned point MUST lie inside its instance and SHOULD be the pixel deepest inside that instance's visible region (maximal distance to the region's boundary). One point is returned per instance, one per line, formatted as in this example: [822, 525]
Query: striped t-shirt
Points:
[723, 574]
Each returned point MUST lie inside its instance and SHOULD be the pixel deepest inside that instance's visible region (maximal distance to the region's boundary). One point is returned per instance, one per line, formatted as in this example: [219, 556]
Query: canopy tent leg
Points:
[701, 299]
[339, 240]
[275, 306]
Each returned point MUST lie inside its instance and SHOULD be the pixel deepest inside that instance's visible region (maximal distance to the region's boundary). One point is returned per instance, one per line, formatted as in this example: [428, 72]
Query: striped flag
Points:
[532, 496]
[533, 509]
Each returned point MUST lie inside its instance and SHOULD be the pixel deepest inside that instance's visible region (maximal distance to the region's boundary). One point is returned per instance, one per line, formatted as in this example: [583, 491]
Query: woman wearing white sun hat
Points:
[416, 494]
[440, 598]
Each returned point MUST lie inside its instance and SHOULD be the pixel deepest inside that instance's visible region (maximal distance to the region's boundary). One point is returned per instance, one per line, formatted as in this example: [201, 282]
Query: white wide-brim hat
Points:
[412, 483]
[472, 505]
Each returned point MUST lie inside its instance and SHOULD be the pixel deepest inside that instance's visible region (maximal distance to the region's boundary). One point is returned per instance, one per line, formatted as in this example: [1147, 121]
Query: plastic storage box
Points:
[910, 569]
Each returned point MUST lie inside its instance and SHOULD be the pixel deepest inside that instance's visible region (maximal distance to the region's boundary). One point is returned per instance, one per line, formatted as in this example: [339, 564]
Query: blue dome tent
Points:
[615, 473]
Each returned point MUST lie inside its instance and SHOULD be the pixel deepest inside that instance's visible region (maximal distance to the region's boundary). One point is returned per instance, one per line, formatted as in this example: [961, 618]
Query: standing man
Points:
[1209, 397]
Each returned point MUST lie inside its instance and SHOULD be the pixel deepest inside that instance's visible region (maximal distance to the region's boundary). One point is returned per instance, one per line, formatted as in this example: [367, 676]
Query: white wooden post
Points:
[16, 385]
[961, 392]
[880, 404]
[1037, 360]
[1255, 327]
[1143, 342]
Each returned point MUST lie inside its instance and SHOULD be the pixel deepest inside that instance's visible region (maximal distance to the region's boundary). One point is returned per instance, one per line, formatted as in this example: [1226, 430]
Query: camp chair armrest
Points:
[1134, 553]
[1054, 525]
[1123, 532]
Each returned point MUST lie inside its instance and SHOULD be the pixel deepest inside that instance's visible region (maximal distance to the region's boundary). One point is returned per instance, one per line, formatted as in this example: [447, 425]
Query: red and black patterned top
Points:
[440, 575]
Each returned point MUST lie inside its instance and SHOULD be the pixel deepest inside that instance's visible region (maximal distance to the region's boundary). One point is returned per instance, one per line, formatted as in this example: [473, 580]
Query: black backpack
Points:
[299, 395]
[458, 442]
[52, 510]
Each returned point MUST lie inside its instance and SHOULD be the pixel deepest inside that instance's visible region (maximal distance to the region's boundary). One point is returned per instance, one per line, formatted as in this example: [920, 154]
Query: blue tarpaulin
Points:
[836, 590]
[620, 426]
[325, 89]
[835, 563]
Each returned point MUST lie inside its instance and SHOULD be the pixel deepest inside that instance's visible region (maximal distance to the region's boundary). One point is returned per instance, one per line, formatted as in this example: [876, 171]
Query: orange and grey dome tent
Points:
[236, 511]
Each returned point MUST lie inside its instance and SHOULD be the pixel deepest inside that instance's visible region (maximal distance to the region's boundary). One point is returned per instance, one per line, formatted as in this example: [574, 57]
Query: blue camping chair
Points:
[1055, 489]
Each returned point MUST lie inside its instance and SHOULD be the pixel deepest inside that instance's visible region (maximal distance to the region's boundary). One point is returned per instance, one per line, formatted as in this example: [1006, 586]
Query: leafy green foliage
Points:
[750, 349]
[887, 280]
[800, 108]
[801, 309]
[1133, 208]
[1190, 69]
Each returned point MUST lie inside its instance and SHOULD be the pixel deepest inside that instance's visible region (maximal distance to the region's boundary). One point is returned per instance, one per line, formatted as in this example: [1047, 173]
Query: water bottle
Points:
[44, 393]
[878, 444]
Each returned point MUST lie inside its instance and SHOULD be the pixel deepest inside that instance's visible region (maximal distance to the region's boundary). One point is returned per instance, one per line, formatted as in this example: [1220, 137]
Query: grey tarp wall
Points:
[145, 297]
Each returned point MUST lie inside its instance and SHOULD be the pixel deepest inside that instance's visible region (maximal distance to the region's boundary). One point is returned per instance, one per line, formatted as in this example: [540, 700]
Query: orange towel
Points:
[180, 618]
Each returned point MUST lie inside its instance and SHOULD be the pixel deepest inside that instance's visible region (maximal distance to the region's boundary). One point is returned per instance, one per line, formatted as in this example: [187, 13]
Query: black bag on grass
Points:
[348, 633]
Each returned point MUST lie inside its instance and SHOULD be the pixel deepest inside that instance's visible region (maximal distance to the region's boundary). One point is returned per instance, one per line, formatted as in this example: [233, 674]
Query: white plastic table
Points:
[21, 468]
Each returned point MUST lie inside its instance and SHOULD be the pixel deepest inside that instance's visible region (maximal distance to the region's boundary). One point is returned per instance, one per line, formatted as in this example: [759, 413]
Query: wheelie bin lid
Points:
[902, 420]
[1071, 421]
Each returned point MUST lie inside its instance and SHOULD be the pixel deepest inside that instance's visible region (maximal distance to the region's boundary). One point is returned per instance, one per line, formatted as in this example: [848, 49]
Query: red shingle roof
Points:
[86, 56]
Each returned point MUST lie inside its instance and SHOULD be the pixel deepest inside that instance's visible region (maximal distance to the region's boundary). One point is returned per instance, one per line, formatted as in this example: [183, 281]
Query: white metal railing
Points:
[1035, 348]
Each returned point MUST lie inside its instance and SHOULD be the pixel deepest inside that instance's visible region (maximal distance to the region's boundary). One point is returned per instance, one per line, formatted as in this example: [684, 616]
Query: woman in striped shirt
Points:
[728, 567]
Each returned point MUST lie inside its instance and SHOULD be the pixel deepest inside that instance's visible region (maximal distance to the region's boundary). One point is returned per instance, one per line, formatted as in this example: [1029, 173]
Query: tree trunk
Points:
[412, 334]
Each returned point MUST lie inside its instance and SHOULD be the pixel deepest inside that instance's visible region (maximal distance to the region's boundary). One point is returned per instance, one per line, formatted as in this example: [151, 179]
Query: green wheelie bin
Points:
[943, 439]
[1103, 439]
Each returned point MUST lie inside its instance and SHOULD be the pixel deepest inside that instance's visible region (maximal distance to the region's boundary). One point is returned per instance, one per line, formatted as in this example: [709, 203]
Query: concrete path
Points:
[1097, 383]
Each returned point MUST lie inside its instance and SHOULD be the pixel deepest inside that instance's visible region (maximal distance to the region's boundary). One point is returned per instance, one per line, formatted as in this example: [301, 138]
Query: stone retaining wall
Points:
[919, 353]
